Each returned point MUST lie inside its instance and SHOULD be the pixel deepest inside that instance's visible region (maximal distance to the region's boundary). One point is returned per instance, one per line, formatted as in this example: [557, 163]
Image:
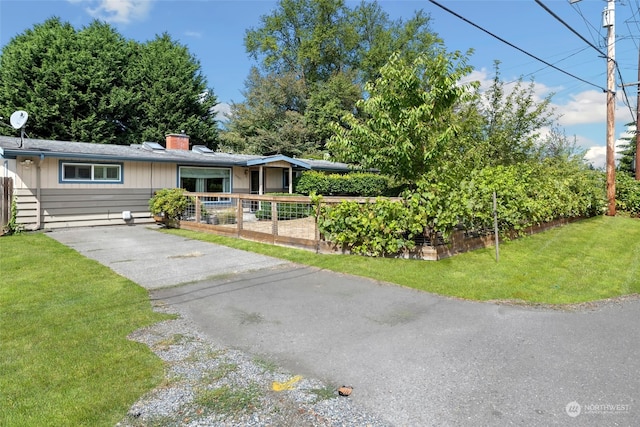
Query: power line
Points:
[569, 27]
[556, 62]
[588, 24]
[515, 47]
[626, 97]
[624, 92]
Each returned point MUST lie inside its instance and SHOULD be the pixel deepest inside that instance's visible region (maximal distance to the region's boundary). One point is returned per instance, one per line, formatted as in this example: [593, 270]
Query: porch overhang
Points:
[267, 160]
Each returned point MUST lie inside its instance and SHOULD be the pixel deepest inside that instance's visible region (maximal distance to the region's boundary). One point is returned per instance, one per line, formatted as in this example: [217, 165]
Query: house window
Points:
[205, 180]
[90, 172]
[285, 178]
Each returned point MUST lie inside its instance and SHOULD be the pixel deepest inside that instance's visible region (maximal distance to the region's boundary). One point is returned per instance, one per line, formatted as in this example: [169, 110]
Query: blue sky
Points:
[214, 31]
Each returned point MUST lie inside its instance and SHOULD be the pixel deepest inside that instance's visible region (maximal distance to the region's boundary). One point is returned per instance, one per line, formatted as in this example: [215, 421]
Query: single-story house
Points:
[65, 184]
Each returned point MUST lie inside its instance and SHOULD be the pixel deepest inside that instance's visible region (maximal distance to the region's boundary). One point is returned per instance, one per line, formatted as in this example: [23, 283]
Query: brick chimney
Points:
[178, 141]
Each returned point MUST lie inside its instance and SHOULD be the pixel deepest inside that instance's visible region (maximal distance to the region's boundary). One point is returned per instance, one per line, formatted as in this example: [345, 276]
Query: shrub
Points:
[352, 184]
[375, 229]
[627, 194]
[527, 194]
[13, 226]
[171, 202]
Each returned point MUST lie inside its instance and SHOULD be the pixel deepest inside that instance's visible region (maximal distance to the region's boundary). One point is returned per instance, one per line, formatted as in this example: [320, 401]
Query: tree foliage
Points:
[93, 85]
[512, 119]
[626, 163]
[330, 50]
[269, 122]
[407, 125]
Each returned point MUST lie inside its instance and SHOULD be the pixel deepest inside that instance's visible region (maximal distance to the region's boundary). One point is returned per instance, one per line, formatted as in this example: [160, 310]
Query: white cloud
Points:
[597, 155]
[223, 111]
[117, 11]
[194, 34]
[585, 107]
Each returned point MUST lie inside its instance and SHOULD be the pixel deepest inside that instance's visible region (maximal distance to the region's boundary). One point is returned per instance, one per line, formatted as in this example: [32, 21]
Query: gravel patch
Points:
[209, 385]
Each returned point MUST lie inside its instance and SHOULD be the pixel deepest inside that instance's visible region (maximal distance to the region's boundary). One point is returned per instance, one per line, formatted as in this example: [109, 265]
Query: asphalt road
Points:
[413, 358]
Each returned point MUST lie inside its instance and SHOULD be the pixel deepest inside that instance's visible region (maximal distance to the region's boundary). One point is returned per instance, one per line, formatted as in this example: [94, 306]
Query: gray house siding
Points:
[82, 207]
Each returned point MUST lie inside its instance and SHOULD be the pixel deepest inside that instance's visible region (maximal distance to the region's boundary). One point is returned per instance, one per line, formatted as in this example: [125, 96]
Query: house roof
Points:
[277, 158]
[11, 147]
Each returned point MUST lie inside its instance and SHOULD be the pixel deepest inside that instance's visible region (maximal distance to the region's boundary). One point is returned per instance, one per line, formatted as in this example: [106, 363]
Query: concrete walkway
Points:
[413, 358]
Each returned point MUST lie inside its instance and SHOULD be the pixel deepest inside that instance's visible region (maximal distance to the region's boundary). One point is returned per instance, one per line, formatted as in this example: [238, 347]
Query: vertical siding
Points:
[274, 181]
[135, 174]
[241, 181]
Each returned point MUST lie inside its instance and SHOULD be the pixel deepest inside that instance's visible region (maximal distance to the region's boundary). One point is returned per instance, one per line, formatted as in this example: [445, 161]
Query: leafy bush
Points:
[375, 229]
[13, 226]
[627, 194]
[353, 184]
[530, 194]
[171, 202]
[527, 194]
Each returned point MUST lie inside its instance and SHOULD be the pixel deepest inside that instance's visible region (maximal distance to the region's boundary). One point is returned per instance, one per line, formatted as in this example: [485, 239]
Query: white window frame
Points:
[93, 178]
[229, 172]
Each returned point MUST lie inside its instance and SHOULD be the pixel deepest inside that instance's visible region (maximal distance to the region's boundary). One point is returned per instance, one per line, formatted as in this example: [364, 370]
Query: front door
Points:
[255, 182]
[254, 188]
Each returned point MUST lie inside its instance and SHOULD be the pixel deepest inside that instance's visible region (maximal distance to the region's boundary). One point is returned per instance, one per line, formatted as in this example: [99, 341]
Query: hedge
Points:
[352, 184]
[627, 194]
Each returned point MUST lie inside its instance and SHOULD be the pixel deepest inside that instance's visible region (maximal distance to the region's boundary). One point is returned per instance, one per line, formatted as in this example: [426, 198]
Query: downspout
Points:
[38, 192]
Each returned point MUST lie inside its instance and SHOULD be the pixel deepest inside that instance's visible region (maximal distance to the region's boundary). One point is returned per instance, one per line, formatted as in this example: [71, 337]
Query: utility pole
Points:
[635, 166]
[608, 20]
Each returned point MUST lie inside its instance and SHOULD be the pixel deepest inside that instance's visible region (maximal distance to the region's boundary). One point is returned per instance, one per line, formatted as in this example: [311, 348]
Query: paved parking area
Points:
[412, 358]
[153, 259]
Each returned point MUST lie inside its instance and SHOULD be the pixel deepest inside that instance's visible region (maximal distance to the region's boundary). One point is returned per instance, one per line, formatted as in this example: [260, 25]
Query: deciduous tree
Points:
[407, 128]
[331, 50]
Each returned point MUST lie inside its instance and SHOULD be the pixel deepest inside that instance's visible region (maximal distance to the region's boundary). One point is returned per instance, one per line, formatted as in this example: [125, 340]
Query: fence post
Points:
[239, 214]
[495, 226]
[274, 218]
[198, 207]
[6, 199]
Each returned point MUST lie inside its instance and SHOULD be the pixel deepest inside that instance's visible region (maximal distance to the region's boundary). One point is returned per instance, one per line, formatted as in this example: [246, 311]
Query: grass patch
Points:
[229, 400]
[589, 260]
[221, 371]
[64, 354]
[265, 364]
[175, 339]
[324, 393]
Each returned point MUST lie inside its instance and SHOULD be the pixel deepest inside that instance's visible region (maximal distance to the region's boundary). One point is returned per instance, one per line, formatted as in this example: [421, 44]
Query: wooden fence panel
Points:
[6, 195]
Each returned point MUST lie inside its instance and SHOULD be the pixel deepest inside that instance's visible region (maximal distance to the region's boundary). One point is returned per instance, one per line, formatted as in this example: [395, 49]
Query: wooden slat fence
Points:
[6, 196]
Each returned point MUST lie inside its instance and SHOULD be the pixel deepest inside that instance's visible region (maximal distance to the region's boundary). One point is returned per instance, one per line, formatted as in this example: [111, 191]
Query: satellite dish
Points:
[19, 119]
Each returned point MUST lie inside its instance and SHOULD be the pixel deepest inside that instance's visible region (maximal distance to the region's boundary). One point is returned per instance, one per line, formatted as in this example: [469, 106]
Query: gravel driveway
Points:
[411, 357]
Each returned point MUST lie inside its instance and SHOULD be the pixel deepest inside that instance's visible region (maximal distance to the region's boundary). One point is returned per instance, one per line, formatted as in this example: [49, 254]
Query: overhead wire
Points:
[514, 46]
[570, 28]
[535, 72]
[615, 63]
[578, 9]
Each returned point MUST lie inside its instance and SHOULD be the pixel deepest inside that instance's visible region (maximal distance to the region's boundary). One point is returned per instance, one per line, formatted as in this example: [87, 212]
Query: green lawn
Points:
[65, 359]
[588, 260]
[64, 356]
